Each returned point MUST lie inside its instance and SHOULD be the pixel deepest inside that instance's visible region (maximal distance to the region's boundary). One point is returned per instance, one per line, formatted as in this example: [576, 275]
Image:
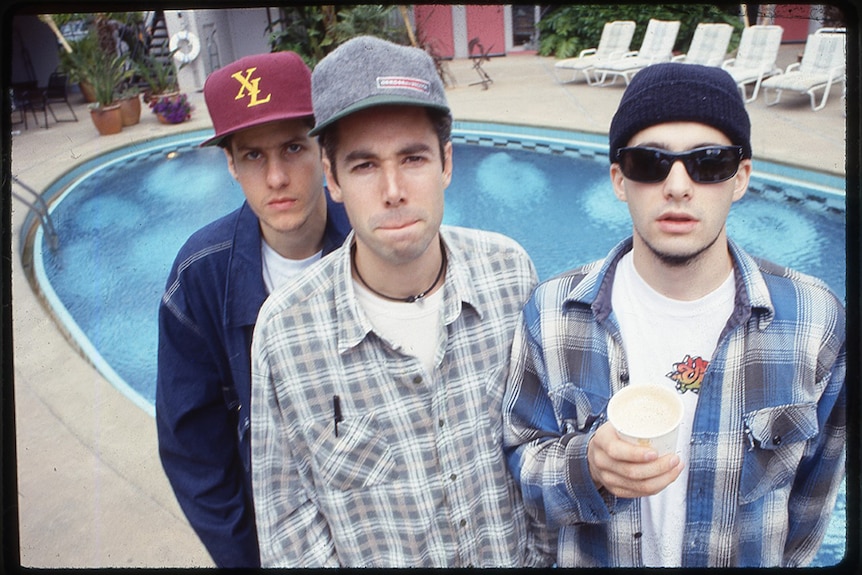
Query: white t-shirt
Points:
[413, 328]
[669, 342]
[278, 270]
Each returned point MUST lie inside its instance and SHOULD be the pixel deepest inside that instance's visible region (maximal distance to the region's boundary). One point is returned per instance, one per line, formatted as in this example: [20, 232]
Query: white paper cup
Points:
[647, 414]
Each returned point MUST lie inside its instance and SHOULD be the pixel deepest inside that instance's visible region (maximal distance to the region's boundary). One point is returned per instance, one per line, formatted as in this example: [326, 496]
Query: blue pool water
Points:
[121, 220]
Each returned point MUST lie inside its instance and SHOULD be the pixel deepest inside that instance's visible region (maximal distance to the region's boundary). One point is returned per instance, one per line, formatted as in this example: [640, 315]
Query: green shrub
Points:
[312, 31]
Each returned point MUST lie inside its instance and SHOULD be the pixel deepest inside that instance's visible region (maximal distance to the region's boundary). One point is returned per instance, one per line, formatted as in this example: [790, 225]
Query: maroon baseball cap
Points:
[255, 90]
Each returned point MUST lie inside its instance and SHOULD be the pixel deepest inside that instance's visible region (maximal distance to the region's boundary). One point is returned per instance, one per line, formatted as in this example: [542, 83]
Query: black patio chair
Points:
[478, 59]
[26, 97]
[56, 93]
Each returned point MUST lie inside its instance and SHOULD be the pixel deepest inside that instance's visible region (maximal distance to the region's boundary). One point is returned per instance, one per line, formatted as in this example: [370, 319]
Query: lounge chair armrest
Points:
[586, 52]
[791, 67]
[678, 58]
[728, 61]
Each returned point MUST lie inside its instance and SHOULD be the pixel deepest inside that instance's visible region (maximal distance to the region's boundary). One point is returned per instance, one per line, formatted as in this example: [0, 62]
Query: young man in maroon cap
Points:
[261, 111]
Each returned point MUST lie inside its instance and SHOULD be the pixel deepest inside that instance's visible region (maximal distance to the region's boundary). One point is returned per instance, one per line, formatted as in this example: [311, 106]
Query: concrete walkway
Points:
[92, 492]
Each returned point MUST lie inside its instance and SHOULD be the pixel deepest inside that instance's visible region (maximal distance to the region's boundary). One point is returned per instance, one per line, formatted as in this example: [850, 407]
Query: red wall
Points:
[434, 25]
[795, 19]
[486, 23]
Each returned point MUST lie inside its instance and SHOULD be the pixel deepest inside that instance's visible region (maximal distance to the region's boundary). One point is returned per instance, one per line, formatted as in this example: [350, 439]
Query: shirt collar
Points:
[752, 292]
[353, 325]
[245, 291]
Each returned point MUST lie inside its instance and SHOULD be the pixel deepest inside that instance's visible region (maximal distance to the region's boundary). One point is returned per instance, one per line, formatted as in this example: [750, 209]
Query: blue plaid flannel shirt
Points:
[768, 444]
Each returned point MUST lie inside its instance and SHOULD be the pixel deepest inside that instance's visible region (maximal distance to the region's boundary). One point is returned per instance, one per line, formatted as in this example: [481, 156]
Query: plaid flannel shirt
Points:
[767, 447]
[416, 474]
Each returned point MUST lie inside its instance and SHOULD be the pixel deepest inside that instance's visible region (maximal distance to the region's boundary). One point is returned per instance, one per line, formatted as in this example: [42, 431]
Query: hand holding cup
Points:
[647, 414]
[637, 460]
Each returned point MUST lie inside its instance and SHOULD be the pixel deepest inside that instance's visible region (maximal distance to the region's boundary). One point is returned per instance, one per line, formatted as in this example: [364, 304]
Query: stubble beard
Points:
[679, 260]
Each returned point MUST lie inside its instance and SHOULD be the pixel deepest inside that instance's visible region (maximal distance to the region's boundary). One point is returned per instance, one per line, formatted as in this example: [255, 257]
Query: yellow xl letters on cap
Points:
[247, 83]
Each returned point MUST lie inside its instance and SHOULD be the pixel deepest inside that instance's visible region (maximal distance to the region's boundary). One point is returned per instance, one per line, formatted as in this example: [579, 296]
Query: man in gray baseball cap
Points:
[378, 378]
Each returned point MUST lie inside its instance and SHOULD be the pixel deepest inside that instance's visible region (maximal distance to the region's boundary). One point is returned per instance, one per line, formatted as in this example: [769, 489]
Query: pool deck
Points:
[92, 492]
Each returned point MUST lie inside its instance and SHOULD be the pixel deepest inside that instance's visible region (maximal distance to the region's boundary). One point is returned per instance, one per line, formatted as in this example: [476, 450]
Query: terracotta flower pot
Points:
[87, 91]
[131, 110]
[164, 95]
[108, 120]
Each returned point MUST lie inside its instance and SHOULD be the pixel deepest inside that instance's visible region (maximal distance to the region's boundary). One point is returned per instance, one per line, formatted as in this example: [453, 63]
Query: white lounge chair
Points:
[614, 42]
[823, 64]
[708, 45]
[755, 58]
[657, 46]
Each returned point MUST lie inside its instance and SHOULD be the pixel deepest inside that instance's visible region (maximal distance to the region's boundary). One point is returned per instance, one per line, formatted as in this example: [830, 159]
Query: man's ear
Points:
[618, 182]
[447, 164]
[331, 183]
[741, 179]
[231, 167]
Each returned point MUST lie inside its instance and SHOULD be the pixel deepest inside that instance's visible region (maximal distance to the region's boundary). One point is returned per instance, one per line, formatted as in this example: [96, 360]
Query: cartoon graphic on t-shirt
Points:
[688, 374]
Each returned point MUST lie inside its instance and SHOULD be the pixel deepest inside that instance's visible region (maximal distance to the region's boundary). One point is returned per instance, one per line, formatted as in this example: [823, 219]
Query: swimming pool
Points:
[122, 217]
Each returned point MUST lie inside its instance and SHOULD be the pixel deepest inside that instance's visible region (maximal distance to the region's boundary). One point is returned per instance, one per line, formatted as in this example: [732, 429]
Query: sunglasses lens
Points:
[708, 165]
[712, 165]
[644, 165]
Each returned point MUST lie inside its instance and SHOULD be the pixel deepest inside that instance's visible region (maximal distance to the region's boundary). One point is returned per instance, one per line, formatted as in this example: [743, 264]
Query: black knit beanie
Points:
[677, 92]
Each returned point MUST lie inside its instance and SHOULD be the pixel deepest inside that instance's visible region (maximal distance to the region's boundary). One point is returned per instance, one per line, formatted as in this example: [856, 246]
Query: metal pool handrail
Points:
[41, 208]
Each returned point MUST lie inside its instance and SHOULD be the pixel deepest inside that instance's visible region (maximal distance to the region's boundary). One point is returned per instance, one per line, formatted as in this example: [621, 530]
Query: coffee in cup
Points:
[647, 414]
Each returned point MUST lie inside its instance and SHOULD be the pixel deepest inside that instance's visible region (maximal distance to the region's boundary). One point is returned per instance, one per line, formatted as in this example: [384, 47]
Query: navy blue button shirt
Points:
[206, 320]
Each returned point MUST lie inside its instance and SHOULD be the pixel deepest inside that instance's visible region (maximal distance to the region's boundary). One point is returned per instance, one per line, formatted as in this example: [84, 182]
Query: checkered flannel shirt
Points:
[767, 447]
[416, 475]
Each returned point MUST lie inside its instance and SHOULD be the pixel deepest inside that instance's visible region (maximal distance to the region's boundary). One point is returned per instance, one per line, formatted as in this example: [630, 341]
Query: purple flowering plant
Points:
[174, 109]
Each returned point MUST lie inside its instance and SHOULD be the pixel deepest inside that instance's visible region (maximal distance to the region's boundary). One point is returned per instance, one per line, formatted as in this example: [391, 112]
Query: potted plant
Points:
[105, 73]
[159, 75]
[129, 99]
[79, 58]
[171, 109]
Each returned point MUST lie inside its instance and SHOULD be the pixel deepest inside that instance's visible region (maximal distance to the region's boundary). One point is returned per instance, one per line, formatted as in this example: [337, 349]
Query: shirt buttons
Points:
[417, 379]
[776, 440]
[441, 423]
[453, 477]
[463, 523]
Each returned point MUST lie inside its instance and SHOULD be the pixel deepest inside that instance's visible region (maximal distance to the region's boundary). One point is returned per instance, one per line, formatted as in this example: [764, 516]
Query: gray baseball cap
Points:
[365, 72]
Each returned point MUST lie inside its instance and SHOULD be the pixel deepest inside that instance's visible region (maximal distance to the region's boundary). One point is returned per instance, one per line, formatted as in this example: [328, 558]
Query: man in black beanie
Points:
[756, 353]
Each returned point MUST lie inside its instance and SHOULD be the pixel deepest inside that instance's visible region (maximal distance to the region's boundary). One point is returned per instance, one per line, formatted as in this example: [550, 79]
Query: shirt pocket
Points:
[776, 438]
[578, 409]
[359, 458]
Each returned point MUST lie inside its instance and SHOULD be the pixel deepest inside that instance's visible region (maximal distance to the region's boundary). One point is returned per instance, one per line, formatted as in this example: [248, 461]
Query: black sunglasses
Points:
[707, 165]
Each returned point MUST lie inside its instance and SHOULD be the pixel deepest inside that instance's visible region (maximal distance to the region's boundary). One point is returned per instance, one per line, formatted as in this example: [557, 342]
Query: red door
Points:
[434, 28]
[485, 22]
[795, 19]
